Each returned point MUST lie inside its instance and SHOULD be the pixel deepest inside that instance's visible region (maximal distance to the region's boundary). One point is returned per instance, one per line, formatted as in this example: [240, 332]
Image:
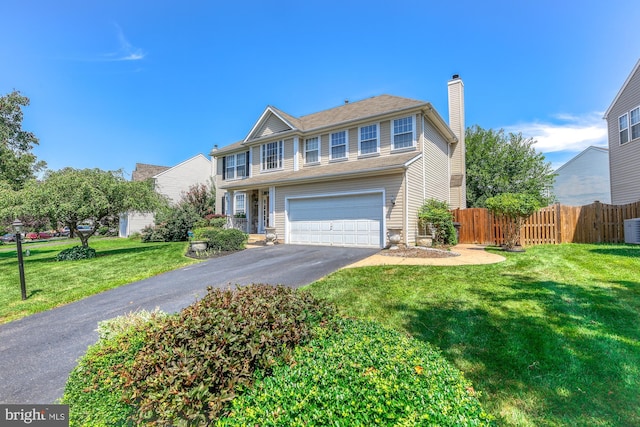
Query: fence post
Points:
[559, 220]
[597, 225]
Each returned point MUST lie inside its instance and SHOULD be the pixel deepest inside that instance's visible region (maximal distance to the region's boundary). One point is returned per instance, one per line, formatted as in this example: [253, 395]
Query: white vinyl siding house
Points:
[623, 124]
[171, 182]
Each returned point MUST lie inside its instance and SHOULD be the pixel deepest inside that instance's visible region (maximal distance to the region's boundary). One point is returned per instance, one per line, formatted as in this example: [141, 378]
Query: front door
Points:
[264, 211]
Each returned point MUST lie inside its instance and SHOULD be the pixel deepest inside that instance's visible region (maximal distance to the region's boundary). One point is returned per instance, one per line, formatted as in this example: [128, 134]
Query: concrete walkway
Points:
[469, 255]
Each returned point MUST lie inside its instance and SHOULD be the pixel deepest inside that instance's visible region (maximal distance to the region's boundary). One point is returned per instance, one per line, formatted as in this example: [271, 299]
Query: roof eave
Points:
[383, 170]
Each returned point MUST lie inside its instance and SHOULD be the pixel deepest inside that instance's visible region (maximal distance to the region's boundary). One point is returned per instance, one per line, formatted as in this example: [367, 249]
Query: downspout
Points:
[406, 206]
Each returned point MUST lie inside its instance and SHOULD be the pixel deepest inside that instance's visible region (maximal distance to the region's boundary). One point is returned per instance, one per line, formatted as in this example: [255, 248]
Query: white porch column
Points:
[272, 206]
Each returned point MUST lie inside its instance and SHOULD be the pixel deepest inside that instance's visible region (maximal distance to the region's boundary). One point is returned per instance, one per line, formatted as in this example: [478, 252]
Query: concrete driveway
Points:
[37, 353]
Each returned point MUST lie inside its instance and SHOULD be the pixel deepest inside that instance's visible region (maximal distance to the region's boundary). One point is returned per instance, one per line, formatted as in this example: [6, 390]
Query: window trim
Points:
[632, 125]
[246, 164]
[279, 154]
[620, 129]
[377, 140]
[318, 149]
[236, 196]
[346, 145]
[413, 133]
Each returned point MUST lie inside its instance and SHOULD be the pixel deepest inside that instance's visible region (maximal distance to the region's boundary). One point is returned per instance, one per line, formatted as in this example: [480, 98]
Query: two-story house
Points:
[344, 176]
[623, 123]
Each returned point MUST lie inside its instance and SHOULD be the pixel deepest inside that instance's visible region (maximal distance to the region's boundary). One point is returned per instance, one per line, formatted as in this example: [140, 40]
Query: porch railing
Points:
[238, 223]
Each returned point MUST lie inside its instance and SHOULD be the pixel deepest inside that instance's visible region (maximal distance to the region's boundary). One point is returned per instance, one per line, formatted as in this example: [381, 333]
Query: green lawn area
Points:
[51, 283]
[549, 337]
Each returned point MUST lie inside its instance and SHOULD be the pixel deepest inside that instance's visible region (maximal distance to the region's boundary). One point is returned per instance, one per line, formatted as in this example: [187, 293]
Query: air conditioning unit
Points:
[632, 231]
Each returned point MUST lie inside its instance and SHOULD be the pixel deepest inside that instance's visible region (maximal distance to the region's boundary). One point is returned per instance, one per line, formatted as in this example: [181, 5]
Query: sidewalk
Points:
[469, 255]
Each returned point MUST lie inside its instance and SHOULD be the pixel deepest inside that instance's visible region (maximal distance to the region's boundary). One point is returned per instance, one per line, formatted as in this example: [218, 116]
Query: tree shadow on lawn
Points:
[632, 251]
[99, 253]
[549, 352]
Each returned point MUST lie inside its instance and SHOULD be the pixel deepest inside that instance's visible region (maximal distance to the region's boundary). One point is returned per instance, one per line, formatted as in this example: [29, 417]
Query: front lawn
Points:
[51, 283]
[549, 337]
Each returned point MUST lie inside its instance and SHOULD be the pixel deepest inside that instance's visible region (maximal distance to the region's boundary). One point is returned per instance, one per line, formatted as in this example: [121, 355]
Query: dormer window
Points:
[271, 155]
[404, 133]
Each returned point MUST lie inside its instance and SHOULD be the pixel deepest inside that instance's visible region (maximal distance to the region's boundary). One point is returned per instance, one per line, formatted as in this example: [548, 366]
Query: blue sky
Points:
[117, 82]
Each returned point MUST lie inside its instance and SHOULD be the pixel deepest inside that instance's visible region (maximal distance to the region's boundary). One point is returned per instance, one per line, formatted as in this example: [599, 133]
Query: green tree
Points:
[17, 163]
[516, 207]
[72, 197]
[504, 163]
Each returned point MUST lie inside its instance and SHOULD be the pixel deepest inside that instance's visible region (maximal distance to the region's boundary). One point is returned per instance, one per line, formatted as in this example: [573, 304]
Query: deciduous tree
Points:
[73, 197]
[17, 163]
[504, 163]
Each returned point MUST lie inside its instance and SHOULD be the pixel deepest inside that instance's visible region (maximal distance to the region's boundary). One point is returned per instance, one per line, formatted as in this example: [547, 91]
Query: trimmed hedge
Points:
[361, 375]
[76, 253]
[220, 239]
[94, 388]
[193, 366]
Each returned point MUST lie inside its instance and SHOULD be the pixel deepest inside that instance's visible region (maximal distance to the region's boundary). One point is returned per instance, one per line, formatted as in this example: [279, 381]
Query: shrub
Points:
[94, 388]
[435, 214]
[360, 375]
[192, 366]
[76, 253]
[171, 224]
[219, 239]
[516, 207]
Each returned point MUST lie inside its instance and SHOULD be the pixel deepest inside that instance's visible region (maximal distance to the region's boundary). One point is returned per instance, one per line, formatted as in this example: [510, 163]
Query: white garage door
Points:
[354, 220]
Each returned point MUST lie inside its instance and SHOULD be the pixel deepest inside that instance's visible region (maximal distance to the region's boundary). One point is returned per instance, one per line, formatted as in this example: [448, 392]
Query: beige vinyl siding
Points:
[287, 161]
[392, 185]
[436, 165]
[415, 199]
[270, 126]
[624, 160]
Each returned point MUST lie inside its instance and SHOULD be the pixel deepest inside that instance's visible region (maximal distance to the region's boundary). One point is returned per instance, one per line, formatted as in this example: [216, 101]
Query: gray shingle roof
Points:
[144, 171]
[353, 111]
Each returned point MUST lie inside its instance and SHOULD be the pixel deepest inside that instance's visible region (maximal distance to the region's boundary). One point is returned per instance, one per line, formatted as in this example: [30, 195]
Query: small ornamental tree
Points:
[516, 207]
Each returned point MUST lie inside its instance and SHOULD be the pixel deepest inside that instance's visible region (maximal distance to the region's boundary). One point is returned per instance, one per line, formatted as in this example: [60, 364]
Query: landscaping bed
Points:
[419, 252]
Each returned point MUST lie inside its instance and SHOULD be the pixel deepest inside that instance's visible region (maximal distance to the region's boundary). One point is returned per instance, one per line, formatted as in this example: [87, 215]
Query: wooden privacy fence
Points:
[594, 223]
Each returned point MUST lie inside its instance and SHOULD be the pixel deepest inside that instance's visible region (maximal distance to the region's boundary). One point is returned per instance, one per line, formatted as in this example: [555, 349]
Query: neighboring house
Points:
[171, 182]
[623, 122]
[584, 179]
[344, 176]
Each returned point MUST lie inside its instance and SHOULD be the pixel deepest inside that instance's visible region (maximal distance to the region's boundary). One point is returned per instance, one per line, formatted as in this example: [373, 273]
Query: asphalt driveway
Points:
[37, 353]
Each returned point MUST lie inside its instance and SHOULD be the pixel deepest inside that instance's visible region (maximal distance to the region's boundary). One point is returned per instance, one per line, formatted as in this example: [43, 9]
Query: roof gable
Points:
[187, 163]
[271, 121]
[622, 89]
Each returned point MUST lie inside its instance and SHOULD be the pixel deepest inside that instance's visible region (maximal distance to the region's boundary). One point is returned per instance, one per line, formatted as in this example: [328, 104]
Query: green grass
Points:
[51, 283]
[550, 337]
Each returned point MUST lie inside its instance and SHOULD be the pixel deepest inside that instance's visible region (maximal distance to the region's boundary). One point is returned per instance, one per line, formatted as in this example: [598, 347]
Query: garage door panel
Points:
[341, 220]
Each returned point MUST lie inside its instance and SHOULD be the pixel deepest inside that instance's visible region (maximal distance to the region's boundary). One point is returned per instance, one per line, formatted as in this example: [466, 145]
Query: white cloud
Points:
[126, 52]
[569, 132]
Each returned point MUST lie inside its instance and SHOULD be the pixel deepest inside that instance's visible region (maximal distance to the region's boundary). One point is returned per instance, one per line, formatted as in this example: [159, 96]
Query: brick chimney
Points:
[457, 184]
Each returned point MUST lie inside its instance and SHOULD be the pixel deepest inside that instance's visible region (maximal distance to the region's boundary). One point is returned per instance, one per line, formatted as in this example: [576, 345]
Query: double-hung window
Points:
[339, 141]
[236, 166]
[272, 154]
[239, 207]
[368, 139]
[403, 133]
[623, 127]
[312, 150]
[635, 123]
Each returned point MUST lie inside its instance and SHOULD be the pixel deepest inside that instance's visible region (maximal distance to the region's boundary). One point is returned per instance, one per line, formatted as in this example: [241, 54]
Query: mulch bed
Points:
[419, 252]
